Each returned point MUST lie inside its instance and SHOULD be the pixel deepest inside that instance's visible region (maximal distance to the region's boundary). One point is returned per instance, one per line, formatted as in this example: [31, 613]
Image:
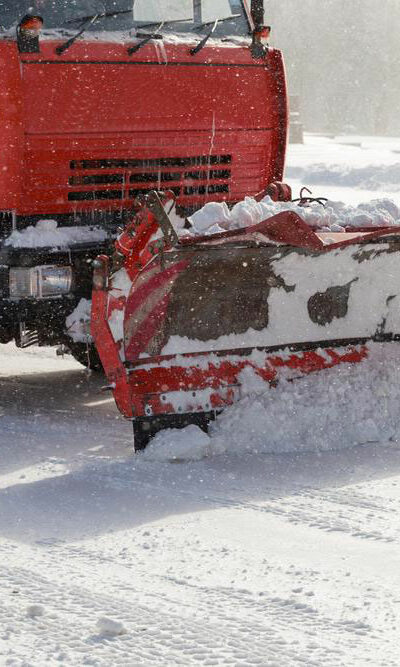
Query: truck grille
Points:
[4, 284]
[185, 176]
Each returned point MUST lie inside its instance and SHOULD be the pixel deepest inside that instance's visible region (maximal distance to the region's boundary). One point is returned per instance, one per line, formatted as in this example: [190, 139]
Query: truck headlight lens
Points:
[55, 280]
[40, 282]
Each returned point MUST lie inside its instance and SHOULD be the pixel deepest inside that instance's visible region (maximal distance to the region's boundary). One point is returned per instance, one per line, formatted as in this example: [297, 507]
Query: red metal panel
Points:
[97, 87]
[152, 387]
[11, 128]
[101, 333]
[96, 102]
[48, 163]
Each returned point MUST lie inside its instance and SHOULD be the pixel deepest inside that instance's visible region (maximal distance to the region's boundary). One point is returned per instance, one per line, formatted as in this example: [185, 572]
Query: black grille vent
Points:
[196, 161]
[97, 179]
[145, 191]
[95, 194]
[205, 189]
[147, 177]
[185, 176]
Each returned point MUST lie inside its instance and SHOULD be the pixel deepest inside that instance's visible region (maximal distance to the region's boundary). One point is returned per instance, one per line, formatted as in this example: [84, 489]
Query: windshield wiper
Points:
[214, 24]
[167, 22]
[87, 22]
[146, 39]
[155, 35]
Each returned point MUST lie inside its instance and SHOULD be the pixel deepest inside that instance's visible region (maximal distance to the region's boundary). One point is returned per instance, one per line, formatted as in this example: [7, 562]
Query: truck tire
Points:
[87, 355]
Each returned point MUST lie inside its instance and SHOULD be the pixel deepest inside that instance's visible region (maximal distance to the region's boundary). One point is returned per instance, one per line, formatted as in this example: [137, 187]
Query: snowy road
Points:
[251, 560]
[281, 560]
[350, 169]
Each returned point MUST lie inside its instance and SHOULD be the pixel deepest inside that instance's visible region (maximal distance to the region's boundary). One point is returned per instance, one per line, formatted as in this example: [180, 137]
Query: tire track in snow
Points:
[206, 633]
[332, 510]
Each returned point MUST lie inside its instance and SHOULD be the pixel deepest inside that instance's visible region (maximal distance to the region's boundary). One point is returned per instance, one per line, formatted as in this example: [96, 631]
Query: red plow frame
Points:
[160, 390]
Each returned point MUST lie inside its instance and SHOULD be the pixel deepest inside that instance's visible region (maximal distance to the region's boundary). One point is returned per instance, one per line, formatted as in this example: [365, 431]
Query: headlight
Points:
[55, 280]
[40, 282]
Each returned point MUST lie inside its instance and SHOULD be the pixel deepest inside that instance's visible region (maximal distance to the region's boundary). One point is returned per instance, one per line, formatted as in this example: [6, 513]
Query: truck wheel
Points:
[87, 355]
[145, 428]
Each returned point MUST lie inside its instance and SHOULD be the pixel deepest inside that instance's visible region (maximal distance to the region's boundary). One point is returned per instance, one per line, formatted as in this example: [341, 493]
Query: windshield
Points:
[58, 13]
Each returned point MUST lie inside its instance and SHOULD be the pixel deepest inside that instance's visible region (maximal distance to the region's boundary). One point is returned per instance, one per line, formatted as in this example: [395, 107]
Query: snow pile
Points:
[334, 216]
[175, 445]
[323, 411]
[47, 234]
[368, 177]
[78, 323]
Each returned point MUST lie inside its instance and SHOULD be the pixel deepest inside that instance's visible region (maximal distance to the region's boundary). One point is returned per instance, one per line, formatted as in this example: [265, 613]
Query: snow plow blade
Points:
[178, 324]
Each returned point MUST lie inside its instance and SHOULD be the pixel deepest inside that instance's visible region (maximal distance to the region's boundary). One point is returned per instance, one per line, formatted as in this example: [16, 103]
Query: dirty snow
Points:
[47, 234]
[244, 557]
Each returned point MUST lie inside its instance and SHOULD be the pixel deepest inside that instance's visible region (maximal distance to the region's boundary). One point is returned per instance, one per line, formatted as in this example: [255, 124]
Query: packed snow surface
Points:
[241, 558]
[109, 626]
[47, 234]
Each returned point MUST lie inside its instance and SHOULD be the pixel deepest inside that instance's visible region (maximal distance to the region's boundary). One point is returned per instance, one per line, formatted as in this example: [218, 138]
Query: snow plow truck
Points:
[181, 317]
[103, 101]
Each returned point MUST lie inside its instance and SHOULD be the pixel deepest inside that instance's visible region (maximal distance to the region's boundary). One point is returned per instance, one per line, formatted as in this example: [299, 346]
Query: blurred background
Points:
[343, 62]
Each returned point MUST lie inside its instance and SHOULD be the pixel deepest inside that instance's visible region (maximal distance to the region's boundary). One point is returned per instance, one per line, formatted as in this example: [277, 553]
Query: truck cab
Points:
[105, 100]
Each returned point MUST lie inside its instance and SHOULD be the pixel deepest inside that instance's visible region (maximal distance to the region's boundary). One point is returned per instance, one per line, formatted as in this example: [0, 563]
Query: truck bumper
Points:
[44, 316]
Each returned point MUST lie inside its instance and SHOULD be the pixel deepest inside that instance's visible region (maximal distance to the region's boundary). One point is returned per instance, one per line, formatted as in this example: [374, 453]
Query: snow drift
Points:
[367, 177]
[323, 411]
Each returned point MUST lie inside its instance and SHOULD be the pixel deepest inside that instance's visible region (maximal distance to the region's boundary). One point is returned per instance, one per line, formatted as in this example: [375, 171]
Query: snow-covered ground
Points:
[279, 547]
[350, 169]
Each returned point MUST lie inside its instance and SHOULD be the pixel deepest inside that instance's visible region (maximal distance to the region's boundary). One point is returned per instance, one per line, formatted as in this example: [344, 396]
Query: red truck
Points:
[103, 101]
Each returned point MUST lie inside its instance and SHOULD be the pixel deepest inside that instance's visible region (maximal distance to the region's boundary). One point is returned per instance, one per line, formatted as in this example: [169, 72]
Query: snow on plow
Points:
[177, 318]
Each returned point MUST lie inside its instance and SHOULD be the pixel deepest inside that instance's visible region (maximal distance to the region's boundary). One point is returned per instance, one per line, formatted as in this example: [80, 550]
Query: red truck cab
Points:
[102, 101]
